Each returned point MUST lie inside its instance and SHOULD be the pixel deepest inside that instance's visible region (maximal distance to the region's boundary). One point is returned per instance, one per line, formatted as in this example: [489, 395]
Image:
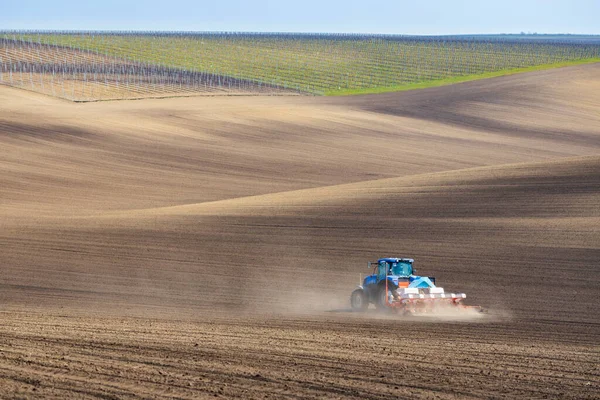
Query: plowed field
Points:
[193, 248]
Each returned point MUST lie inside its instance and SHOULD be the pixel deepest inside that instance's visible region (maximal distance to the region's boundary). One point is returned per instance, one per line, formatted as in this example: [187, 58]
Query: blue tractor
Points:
[393, 285]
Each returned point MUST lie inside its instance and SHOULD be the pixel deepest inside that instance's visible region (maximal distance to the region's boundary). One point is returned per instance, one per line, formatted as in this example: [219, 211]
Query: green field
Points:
[335, 64]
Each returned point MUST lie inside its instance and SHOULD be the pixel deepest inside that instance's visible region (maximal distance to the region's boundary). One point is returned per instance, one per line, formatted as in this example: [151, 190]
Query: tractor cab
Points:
[398, 267]
[398, 271]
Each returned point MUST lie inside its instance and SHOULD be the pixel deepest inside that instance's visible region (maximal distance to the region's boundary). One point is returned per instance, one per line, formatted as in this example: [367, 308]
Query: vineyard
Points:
[89, 66]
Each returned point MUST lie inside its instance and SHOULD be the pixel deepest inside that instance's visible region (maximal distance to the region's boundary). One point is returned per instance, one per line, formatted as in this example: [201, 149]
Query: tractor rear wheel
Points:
[381, 297]
[359, 301]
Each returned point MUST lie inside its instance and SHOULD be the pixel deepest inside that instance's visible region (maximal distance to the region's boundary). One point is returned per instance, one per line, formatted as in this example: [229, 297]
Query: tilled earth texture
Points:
[207, 247]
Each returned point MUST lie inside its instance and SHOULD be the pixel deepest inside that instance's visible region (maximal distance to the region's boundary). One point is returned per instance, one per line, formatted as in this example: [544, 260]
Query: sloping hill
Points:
[511, 236]
[207, 247]
[63, 158]
[146, 203]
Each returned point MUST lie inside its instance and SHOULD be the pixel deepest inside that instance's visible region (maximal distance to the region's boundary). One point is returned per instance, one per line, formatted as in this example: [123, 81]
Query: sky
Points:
[417, 17]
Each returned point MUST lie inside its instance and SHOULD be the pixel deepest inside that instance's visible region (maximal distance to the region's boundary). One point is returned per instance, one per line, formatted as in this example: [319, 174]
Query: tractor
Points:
[394, 286]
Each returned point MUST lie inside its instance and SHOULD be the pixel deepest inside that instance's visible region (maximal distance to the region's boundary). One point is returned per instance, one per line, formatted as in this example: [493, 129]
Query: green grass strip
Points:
[457, 79]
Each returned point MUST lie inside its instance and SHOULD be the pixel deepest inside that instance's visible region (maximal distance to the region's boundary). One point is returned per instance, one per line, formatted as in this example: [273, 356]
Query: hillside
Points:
[198, 247]
[140, 178]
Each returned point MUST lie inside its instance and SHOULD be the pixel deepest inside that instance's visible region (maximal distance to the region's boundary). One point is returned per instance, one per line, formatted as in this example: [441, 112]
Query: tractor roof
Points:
[410, 260]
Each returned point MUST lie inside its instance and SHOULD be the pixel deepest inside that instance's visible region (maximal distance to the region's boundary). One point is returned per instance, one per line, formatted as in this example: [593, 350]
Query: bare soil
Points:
[193, 248]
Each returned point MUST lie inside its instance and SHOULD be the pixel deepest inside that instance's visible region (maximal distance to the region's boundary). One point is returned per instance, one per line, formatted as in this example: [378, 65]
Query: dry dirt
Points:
[191, 248]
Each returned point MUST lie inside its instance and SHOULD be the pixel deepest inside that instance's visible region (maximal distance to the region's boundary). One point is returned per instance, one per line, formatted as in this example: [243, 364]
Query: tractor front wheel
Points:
[359, 301]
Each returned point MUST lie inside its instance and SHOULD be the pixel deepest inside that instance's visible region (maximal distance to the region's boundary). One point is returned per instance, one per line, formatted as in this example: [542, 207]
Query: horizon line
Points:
[4, 31]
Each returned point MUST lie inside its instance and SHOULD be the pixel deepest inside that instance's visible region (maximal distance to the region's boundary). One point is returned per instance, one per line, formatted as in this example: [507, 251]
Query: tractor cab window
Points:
[402, 268]
[382, 269]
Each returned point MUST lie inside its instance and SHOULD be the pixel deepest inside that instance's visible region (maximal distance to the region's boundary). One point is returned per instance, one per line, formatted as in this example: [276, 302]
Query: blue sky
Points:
[364, 16]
